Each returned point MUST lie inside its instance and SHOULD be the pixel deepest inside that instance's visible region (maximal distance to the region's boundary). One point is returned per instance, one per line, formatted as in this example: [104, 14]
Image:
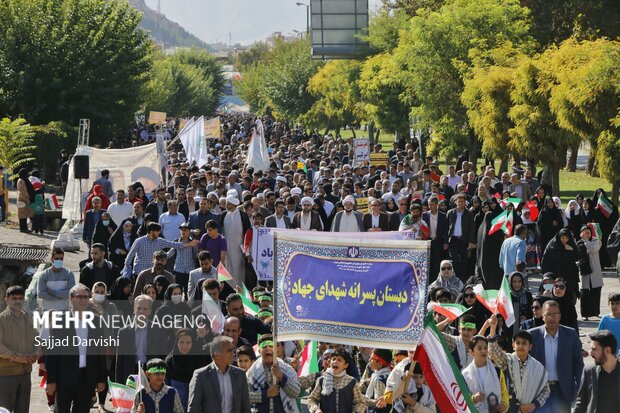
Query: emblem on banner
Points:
[353, 252]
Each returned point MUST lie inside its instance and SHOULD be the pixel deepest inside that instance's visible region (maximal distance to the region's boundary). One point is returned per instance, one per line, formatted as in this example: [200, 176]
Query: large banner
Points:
[262, 244]
[125, 165]
[352, 291]
[361, 149]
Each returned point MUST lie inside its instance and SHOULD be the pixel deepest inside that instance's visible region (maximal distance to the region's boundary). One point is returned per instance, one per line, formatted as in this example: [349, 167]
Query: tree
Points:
[66, 60]
[208, 64]
[383, 29]
[411, 7]
[250, 56]
[16, 143]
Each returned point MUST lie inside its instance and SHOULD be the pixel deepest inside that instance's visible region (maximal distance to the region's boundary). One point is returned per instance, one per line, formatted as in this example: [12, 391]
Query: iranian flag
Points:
[223, 274]
[250, 307]
[246, 293]
[308, 360]
[504, 222]
[122, 396]
[514, 201]
[497, 301]
[604, 205]
[595, 228]
[450, 311]
[443, 376]
[424, 229]
[214, 313]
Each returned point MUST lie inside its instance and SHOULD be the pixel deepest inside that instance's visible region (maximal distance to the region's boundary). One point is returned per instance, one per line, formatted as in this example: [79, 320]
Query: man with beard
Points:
[279, 219]
[600, 383]
[148, 276]
[348, 220]
[158, 205]
[197, 220]
[251, 326]
[234, 224]
[307, 219]
[397, 216]
[438, 226]
[414, 223]
[461, 235]
[273, 384]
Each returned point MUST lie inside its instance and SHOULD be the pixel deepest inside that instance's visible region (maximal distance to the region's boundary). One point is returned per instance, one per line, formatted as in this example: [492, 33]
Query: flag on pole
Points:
[122, 396]
[258, 156]
[193, 139]
[514, 201]
[246, 292]
[424, 229]
[487, 298]
[223, 274]
[442, 375]
[214, 313]
[308, 361]
[497, 301]
[504, 222]
[595, 228]
[604, 205]
[450, 311]
[143, 381]
[533, 207]
[250, 307]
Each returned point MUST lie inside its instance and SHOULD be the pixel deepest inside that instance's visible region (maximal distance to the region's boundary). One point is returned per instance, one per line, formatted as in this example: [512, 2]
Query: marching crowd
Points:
[157, 254]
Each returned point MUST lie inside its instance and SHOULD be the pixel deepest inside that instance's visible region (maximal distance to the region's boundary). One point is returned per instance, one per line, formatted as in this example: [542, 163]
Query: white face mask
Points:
[177, 299]
[99, 298]
[548, 287]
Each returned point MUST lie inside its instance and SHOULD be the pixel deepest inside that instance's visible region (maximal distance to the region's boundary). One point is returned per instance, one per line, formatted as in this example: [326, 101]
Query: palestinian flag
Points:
[497, 301]
[122, 396]
[604, 205]
[514, 201]
[308, 360]
[450, 311]
[595, 228]
[504, 222]
[223, 274]
[442, 375]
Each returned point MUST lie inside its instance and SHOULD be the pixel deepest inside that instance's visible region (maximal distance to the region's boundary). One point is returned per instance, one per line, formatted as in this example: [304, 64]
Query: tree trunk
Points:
[503, 166]
[377, 135]
[571, 165]
[615, 188]
[474, 148]
[353, 132]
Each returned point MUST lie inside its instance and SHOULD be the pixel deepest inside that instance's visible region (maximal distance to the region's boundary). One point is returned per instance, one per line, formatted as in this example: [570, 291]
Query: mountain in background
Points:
[165, 31]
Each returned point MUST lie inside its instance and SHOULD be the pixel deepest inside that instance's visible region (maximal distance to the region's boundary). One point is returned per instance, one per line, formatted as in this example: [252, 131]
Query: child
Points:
[264, 301]
[458, 345]
[416, 398]
[336, 386]
[145, 400]
[611, 321]
[245, 357]
[379, 363]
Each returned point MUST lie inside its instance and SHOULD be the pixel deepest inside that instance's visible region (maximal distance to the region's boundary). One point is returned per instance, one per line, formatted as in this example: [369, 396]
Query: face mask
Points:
[99, 298]
[57, 264]
[177, 299]
[548, 287]
[105, 223]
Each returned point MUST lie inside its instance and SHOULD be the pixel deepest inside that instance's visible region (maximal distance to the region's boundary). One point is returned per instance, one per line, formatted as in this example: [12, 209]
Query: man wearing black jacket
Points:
[99, 269]
[250, 325]
[461, 235]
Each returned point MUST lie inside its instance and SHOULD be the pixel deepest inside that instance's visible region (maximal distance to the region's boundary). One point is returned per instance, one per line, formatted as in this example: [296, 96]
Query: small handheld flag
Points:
[308, 361]
[450, 311]
[223, 274]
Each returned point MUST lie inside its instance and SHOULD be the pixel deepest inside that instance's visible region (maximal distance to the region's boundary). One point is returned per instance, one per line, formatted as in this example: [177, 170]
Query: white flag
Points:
[194, 143]
[258, 156]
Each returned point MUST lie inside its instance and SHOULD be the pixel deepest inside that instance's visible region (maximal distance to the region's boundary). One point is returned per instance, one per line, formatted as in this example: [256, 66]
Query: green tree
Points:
[384, 28]
[66, 60]
[208, 64]
[16, 143]
[412, 6]
[250, 56]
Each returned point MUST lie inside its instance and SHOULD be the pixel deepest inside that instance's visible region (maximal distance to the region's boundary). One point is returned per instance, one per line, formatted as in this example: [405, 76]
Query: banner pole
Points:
[275, 287]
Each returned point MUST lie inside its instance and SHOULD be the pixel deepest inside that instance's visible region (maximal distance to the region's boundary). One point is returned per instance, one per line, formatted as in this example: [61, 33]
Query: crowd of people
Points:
[157, 254]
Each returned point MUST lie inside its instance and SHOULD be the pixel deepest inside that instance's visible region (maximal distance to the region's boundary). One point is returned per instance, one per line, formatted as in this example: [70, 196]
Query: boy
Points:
[611, 321]
[379, 363]
[159, 397]
[335, 390]
[458, 345]
[245, 357]
[529, 377]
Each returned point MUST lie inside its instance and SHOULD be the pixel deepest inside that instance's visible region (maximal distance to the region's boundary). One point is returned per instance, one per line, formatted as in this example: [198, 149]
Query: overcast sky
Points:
[246, 20]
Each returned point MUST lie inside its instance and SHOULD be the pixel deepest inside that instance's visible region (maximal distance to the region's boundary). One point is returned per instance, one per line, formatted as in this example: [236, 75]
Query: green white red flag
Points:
[504, 222]
[497, 301]
[250, 307]
[450, 311]
[308, 360]
[604, 205]
[595, 229]
[441, 372]
[514, 201]
[223, 274]
[122, 396]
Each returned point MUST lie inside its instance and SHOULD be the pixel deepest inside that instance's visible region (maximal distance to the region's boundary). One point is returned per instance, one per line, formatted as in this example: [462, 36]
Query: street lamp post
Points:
[307, 6]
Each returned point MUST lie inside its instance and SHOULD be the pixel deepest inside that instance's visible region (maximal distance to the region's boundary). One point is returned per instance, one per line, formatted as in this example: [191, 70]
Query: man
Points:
[445, 188]
[120, 210]
[160, 259]
[76, 370]
[257, 207]
[600, 383]
[137, 219]
[219, 387]
[394, 194]
[234, 224]
[558, 348]
[272, 383]
[205, 271]
[91, 219]
[307, 219]
[232, 329]
[17, 352]
[212, 287]
[453, 178]
[291, 208]
[141, 253]
[250, 325]
[438, 225]
[233, 184]
[105, 183]
[279, 219]
[512, 251]
[54, 283]
[158, 205]
[414, 223]
[170, 221]
[461, 235]
[530, 180]
[520, 188]
[99, 269]
[504, 184]
[348, 220]
[198, 220]
[131, 195]
[397, 217]
[375, 220]
[185, 258]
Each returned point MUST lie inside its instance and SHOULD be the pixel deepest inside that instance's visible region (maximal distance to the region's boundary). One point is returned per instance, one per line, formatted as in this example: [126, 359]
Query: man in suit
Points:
[396, 217]
[307, 219]
[521, 188]
[558, 348]
[91, 219]
[197, 220]
[438, 224]
[600, 383]
[219, 387]
[76, 370]
[375, 220]
[158, 205]
[279, 219]
[461, 236]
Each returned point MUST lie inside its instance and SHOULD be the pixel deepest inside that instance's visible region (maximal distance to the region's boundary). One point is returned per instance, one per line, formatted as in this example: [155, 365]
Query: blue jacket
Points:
[513, 250]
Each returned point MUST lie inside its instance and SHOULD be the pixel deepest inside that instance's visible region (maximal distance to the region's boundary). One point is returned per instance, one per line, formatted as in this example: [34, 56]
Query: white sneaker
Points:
[3, 222]
[52, 407]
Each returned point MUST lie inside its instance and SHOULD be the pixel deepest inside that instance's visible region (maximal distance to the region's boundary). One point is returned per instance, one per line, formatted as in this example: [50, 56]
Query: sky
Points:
[246, 20]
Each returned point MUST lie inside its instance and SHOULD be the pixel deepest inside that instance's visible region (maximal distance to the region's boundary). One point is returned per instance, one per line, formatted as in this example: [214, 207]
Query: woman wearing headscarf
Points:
[560, 258]
[104, 230]
[173, 308]
[25, 197]
[120, 293]
[572, 216]
[567, 304]
[606, 223]
[591, 273]
[447, 279]
[549, 222]
[521, 300]
[468, 299]
[540, 197]
[182, 361]
[120, 242]
[558, 203]
[586, 212]
[488, 248]
[97, 192]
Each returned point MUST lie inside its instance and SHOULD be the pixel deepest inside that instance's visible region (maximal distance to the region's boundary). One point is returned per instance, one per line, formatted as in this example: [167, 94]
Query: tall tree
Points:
[208, 64]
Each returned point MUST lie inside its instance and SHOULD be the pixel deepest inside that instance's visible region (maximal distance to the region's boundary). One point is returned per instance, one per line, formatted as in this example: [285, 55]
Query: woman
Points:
[181, 363]
[560, 258]
[485, 382]
[120, 243]
[173, 308]
[567, 304]
[391, 205]
[104, 230]
[549, 222]
[447, 279]
[606, 222]
[479, 217]
[468, 299]
[488, 248]
[97, 192]
[545, 289]
[151, 291]
[540, 196]
[558, 203]
[586, 213]
[120, 293]
[572, 217]
[521, 300]
[591, 274]
[25, 197]
[536, 319]
[444, 205]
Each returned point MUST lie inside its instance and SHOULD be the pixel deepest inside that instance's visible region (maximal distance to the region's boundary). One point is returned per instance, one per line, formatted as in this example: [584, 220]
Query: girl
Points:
[521, 300]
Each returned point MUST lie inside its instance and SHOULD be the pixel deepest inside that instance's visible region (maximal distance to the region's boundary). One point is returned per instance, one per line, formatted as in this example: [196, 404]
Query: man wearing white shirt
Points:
[120, 210]
[171, 221]
[453, 178]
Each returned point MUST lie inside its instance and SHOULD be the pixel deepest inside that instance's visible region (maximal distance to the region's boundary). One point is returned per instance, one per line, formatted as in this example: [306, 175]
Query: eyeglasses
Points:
[446, 268]
[559, 286]
[470, 295]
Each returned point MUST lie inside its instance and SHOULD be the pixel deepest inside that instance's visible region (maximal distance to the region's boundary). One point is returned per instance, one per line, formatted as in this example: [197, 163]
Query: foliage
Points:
[16, 143]
[49, 140]
[66, 60]
[383, 29]
[210, 67]
[410, 7]
[250, 56]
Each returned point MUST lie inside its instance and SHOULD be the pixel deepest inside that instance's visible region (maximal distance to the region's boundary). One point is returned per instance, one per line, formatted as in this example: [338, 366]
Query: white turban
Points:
[232, 200]
[307, 200]
[349, 198]
[296, 191]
